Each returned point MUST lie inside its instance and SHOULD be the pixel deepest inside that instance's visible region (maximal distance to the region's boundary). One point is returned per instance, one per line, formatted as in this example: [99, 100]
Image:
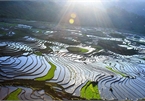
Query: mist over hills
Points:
[111, 16]
[135, 6]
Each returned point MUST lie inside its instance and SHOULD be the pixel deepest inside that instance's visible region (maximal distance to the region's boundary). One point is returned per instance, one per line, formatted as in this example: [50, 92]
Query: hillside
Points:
[112, 17]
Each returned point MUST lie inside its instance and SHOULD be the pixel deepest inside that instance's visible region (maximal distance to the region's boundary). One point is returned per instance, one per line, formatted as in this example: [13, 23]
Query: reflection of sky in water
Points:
[73, 70]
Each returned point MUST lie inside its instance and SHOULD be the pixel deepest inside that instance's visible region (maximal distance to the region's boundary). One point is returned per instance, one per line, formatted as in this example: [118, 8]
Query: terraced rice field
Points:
[31, 69]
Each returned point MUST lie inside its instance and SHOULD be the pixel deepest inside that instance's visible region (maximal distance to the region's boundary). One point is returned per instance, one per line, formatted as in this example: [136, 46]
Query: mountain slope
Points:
[87, 15]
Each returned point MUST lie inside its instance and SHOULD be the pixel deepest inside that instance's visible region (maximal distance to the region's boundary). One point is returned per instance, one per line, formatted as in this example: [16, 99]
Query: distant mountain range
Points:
[112, 15]
[135, 6]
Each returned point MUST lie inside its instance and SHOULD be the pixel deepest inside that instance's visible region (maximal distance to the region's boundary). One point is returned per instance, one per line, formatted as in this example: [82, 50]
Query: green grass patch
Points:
[98, 48]
[77, 50]
[142, 99]
[14, 95]
[117, 72]
[3, 24]
[49, 75]
[38, 53]
[90, 91]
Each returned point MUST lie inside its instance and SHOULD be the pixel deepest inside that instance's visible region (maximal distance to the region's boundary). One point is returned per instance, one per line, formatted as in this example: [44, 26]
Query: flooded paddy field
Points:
[44, 61]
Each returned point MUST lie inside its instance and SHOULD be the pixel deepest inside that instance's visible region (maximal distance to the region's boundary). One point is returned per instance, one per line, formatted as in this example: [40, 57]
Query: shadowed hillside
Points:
[87, 15]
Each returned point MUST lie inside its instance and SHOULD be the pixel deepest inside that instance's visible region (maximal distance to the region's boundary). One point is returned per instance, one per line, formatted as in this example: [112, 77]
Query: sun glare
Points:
[73, 15]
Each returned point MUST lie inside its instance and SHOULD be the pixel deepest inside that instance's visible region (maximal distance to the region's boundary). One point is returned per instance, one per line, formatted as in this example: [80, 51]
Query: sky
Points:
[135, 6]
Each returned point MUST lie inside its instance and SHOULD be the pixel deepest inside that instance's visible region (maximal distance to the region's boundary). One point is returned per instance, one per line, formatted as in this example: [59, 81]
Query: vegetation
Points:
[77, 50]
[48, 11]
[19, 33]
[100, 34]
[38, 53]
[116, 35]
[95, 33]
[46, 50]
[18, 75]
[40, 31]
[3, 32]
[98, 48]
[51, 89]
[14, 95]
[4, 24]
[49, 75]
[117, 72]
[113, 46]
[90, 91]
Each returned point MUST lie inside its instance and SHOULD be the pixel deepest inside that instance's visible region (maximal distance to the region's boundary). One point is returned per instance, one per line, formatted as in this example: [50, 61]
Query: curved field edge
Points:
[90, 91]
[117, 72]
[49, 75]
[14, 95]
[52, 91]
[77, 50]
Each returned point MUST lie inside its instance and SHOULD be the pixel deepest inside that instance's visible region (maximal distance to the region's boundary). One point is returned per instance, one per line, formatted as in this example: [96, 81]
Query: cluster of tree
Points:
[112, 17]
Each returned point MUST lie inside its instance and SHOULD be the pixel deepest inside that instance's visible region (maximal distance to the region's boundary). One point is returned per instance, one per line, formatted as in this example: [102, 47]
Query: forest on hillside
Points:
[111, 17]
